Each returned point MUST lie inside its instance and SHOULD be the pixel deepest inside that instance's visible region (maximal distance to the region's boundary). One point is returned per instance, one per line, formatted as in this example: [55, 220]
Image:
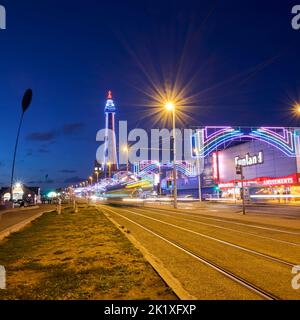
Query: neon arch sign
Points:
[148, 167]
[209, 139]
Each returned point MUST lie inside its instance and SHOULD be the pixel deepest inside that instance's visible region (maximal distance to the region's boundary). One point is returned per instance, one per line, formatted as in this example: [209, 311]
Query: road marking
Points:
[206, 262]
[216, 226]
[232, 222]
[217, 240]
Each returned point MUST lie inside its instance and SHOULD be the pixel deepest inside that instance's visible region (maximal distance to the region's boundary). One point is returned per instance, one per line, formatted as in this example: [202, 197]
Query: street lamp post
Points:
[26, 101]
[199, 174]
[159, 175]
[239, 170]
[243, 193]
[91, 178]
[126, 150]
[109, 169]
[170, 106]
[97, 174]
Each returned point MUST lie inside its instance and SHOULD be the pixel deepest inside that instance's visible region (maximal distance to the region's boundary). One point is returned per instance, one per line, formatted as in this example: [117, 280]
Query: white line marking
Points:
[217, 240]
[220, 227]
[232, 222]
[236, 279]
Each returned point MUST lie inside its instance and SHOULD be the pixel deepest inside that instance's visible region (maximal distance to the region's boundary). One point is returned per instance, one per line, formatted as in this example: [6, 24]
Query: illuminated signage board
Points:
[249, 160]
[293, 179]
[280, 181]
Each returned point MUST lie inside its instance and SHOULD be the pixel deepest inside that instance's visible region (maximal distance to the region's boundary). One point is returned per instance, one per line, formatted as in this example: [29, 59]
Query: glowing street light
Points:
[171, 107]
[297, 108]
[91, 179]
[97, 171]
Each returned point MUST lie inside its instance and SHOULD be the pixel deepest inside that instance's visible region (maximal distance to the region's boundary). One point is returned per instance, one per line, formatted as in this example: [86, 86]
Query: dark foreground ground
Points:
[77, 256]
[215, 252]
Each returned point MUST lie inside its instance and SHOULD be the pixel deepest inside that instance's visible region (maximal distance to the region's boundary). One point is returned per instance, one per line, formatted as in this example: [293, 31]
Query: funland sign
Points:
[249, 160]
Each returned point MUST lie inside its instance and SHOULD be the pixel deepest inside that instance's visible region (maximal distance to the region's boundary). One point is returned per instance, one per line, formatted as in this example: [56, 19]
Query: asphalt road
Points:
[13, 217]
[280, 209]
[216, 253]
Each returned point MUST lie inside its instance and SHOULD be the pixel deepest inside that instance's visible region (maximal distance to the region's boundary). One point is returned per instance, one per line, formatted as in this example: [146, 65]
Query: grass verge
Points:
[76, 256]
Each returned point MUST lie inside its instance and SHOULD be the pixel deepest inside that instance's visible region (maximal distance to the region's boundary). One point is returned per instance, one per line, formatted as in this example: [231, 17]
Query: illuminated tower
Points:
[110, 151]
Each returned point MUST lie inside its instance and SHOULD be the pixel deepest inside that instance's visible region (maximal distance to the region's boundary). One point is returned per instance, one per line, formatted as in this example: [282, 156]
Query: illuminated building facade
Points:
[270, 160]
[30, 195]
[161, 175]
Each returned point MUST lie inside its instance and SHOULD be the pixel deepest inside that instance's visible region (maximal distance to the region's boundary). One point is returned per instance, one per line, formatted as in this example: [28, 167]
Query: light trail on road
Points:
[224, 228]
[230, 222]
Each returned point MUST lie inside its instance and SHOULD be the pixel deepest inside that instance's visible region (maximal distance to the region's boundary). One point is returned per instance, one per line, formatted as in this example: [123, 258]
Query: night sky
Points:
[240, 60]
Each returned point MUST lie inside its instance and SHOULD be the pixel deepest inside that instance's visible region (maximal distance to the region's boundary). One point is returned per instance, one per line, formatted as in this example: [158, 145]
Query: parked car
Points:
[19, 203]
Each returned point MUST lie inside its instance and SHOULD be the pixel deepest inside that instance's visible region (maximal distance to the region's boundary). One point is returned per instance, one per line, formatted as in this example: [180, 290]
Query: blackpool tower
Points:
[110, 150]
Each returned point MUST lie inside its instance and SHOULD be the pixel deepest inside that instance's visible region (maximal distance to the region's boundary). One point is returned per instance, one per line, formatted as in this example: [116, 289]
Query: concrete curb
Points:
[156, 264]
[17, 227]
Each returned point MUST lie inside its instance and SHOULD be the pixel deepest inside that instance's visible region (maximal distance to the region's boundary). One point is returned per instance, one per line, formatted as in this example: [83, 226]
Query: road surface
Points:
[11, 219]
[218, 253]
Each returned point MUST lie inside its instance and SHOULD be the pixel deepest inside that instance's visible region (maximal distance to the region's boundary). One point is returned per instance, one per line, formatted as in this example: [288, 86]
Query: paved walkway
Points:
[13, 219]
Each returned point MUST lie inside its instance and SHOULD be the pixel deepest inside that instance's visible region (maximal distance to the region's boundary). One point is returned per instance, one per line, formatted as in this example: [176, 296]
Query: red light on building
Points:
[215, 166]
[293, 179]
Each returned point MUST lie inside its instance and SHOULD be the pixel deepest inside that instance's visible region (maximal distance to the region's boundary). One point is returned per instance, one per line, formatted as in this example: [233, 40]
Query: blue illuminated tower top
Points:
[110, 160]
[110, 107]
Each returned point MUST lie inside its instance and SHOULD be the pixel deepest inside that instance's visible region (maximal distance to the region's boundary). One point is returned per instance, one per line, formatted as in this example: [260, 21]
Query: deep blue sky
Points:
[243, 56]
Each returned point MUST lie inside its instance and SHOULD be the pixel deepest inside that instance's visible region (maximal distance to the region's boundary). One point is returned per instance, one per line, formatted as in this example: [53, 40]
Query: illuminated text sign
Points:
[249, 160]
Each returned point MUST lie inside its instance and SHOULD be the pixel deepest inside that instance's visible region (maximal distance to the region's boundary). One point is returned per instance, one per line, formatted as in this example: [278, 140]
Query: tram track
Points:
[223, 228]
[225, 272]
[227, 243]
[248, 225]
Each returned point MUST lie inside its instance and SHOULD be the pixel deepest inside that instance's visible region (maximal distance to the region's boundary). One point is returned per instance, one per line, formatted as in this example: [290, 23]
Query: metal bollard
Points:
[58, 206]
[2, 278]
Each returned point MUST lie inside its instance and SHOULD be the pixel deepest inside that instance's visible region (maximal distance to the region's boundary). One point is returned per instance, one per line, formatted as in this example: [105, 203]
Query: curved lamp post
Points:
[26, 101]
